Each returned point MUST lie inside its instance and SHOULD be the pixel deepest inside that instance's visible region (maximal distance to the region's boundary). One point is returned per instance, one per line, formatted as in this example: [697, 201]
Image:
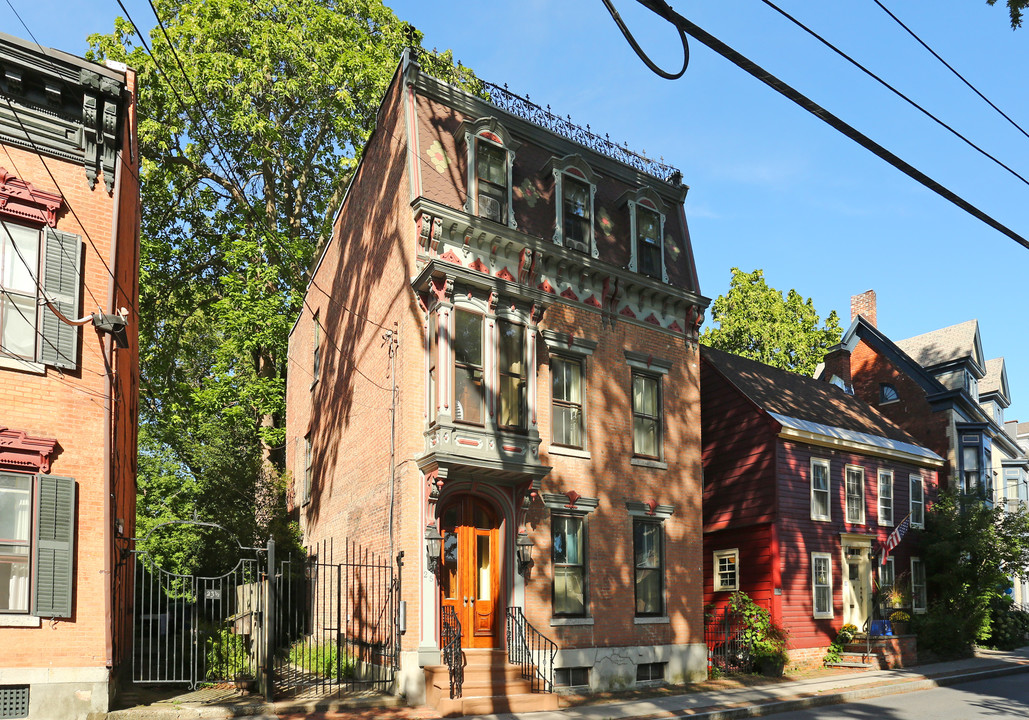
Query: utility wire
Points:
[892, 89]
[948, 66]
[660, 8]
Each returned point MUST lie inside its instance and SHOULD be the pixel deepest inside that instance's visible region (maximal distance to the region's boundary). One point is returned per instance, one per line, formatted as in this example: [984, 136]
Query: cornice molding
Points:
[20, 200]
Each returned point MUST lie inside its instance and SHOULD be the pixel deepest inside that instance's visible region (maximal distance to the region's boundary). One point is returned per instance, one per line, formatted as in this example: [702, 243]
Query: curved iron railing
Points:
[450, 639]
[531, 650]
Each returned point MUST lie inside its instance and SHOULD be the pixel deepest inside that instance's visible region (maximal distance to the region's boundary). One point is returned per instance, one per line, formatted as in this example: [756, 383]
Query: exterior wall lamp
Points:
[433, 547]
[523, 549]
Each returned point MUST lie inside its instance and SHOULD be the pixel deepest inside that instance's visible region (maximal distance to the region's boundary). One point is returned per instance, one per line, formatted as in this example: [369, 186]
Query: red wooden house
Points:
[803, 483]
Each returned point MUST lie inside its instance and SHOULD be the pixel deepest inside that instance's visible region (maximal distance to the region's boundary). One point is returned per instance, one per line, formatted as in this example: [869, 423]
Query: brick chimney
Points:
[863, 304]
[837, 362]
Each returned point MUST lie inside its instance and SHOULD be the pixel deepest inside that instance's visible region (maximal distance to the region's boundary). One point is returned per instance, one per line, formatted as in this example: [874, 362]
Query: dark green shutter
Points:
[62, 283]
[54, 546]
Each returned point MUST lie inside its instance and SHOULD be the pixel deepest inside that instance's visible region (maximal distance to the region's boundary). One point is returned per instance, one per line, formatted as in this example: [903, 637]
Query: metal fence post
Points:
[270, 615]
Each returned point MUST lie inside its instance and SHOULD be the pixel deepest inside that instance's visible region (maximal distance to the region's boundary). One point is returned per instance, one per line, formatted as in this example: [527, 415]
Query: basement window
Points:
[571, 676]
[649, 672]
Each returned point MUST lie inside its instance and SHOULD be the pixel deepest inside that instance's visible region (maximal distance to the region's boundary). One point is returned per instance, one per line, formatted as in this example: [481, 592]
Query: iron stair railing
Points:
[450, 637]
[531, 651]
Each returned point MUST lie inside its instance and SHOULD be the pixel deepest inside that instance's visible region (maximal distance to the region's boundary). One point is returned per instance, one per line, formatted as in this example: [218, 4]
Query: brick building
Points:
[529, 305]
[803, 483]
[69, 244]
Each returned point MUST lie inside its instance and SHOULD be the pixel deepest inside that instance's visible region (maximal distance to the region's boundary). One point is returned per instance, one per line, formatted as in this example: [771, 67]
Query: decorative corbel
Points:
[443, 290]
[437, 233]
[424, 224]
[492, 301]
[525, 263]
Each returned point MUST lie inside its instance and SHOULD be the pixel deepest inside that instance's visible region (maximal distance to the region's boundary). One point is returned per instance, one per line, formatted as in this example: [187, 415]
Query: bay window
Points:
[512, 372]
[469, 392]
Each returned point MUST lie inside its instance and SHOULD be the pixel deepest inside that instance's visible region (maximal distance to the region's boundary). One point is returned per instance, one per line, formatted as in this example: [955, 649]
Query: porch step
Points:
[491, 685]
[851, 657]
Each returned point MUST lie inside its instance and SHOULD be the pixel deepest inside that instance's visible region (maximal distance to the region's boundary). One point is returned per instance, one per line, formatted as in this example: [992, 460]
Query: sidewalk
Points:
[739, 702]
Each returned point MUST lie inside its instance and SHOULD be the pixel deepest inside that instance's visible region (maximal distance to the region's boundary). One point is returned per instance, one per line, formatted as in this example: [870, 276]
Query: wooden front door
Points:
[857, 587]
[470, 575]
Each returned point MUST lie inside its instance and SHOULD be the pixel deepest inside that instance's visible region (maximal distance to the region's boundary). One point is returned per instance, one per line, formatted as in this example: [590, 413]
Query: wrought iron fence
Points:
[726, 648]
[532, 651]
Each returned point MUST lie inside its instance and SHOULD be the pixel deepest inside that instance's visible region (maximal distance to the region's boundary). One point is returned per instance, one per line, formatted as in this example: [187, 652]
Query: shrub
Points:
[226, 655]
[1009, 628]
[765, 638]
[319, 658]
[844, 636]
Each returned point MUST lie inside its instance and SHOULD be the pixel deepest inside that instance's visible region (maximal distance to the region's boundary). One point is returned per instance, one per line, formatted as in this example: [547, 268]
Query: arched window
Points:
[887, 393]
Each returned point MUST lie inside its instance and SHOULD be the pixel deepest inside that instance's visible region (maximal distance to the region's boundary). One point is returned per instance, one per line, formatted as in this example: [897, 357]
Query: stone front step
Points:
[491, 685]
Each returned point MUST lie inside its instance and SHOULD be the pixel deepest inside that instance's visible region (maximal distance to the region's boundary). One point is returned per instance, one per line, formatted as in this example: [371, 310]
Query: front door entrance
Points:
[470, 577]
[857, 587]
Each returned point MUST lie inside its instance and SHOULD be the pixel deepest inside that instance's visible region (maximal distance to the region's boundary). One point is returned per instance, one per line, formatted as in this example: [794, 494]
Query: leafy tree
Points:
[252, 117]
[970, 552]
[1015, 8]
[756, 321]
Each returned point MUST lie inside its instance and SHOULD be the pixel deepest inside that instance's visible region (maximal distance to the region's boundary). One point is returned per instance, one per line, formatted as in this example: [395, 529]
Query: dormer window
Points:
[491, 180]
[574, 188]
[647, 234]
[491, 152]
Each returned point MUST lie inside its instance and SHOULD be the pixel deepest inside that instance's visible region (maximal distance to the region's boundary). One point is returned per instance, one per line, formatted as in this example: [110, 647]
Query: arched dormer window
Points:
[647, 233]
[887, 394]
[491, 152]
[574, 190]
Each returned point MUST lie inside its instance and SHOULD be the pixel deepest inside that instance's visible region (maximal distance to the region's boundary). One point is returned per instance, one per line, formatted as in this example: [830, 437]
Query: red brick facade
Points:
[391, 275]
[87, 412]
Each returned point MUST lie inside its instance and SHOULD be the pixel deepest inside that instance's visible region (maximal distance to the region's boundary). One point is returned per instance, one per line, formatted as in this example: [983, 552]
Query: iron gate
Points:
[726, 648]
[299, 626]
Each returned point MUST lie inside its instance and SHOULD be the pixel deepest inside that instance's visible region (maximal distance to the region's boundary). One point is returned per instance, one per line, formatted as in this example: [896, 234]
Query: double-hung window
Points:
[316, 349]
[821, 585]
[308, 469]
[646, 416]
[918, 590]
[513, 378]
[469, 391]
[491, 180]
[648, 241]
[887, 576]
[917, 501]
[885, 497]
[569, 556]
[37, 532]
[28, 264]
[567, 393]
[726, 565]
[820, 509]
[855, 494]
[648, 551]
[575, 209]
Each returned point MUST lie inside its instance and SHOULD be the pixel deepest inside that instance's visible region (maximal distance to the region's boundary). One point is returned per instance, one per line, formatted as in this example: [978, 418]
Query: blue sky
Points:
[771, 186]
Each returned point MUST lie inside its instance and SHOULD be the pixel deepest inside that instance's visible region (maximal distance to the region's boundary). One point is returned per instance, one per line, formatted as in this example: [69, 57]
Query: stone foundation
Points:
[885, 652]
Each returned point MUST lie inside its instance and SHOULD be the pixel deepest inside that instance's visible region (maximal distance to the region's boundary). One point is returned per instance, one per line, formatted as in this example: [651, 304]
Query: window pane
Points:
[569, 597]
[648, 545]
[821, 503]
[645, 436]
[648, 226]
[567, 540]
[512, 348]
[648, 592]
[14, 508]
[567, 426]
[644, 395]
[20, 258]
[512, 390]
[14, 578]
[821, 477]
[822, 600]
[468, 338]
[576, 210]
[492, 163]
[18, 321]
[482, 555]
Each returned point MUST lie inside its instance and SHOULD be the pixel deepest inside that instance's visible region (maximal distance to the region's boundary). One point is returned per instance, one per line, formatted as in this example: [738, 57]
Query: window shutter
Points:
[54, 547]
[62, 281]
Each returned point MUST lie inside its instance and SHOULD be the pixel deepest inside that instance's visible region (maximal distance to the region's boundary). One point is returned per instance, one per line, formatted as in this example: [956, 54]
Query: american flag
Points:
[894, 539]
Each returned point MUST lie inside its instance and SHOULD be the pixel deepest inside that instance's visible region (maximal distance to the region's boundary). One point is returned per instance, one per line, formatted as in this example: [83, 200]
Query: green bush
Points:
[765, 638]
[1009, 628]
[319, 658]
[835, 650]
[226, 655]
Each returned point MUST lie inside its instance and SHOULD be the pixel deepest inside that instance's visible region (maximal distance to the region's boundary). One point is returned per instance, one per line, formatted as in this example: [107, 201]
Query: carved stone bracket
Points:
[19, 199]
[100, 101]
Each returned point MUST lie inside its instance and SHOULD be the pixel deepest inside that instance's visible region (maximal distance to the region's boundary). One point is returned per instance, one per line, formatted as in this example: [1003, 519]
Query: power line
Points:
[660, 8]
[948, 66]
[892, 89]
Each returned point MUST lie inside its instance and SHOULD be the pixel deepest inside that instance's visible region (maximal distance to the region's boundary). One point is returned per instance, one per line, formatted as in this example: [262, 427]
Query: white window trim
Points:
[586, 176]
[817, 615]
[911, 499]
[653, 207]
[846, 495]
[828, 489]
[718, 555]
[878, 498]
[472, 131]
[923, 609]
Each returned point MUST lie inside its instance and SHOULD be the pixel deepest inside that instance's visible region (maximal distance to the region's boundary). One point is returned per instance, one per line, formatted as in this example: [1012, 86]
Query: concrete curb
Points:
[876, 690]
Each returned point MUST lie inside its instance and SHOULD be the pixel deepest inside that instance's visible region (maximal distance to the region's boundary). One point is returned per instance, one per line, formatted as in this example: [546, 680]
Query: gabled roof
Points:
[946, 345]
[996, 381]
[802, 398]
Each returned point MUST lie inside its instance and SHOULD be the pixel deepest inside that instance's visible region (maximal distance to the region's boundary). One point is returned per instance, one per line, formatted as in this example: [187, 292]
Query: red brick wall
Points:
[69, 406]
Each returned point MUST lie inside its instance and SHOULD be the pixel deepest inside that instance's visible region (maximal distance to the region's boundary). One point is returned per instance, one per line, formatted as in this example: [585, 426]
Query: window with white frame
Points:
[918, 588]
[469, 389]
[887, 576]
[646, 221]
[574, 190]
[37, 544]
[491, 151]
[568, 393]
[821, 585]
[820, 509]
[886, 497]
[887, 394]
[855, 494]
[34, 261]
[917, 501]
[726, 564]
[568, 536]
